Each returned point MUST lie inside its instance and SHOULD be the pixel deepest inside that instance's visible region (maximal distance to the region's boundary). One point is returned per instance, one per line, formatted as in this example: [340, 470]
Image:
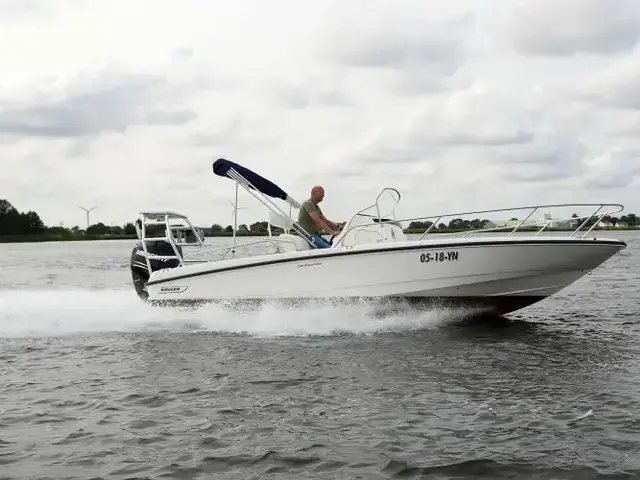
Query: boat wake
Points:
[53, 313]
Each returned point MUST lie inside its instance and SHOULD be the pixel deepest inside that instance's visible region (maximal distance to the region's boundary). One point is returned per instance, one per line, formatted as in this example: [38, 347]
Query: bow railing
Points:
[573, 222]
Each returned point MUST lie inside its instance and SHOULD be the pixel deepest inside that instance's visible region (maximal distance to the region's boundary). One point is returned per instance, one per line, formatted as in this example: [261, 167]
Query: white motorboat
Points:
[372, 258]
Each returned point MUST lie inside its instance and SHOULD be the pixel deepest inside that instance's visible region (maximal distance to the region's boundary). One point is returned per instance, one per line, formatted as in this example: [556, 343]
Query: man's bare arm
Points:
[334, 225]
[323, 223]
[330, 223]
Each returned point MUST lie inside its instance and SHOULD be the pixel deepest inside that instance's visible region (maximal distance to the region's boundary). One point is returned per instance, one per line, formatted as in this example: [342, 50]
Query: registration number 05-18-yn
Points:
[440, 257]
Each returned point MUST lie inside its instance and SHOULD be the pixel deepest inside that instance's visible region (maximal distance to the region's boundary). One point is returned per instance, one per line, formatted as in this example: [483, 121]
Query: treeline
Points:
[16, 226]
[257, 228]
[457, 224]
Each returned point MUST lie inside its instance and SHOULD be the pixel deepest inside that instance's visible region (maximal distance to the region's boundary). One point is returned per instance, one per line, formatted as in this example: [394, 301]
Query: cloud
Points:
[615, 86]
[458, 105]
[12, 10]
[408, 38]
[475, 116]
[544, 159]
[627, 128]
[101, 103]
[409, 50]
[615, 168]
[569, 27]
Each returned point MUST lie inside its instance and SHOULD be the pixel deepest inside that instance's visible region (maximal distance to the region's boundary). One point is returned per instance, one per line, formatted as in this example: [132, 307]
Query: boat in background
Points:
[370, 259]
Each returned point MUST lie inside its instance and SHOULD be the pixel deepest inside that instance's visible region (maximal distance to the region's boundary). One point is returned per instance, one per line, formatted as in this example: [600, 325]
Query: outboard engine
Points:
[139, 271]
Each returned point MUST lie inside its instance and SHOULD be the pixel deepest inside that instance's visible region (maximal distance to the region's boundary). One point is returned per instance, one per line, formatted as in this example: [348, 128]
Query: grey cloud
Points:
[218, 135]
[613, 169]
[488, 139]
[476, 116]
[396, 53]
[183, 53]
[616, 180]
[397, 164]
[536, 173]
[547, 152]
[544, 159]
[409, 56]
[632, 131]
[81, 147]
[415, 150]
[418, 80]
[112, 105]
[433, 150]
[568, 27]
[497, 130]
[169, 117]
[239, 135]
[306, 97]
[384, 151]
[394, 155]
[613, 88]
[400, 45]
[12, 10]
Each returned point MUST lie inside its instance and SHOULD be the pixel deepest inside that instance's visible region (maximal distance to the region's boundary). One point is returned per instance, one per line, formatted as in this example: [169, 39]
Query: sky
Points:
[460, 105]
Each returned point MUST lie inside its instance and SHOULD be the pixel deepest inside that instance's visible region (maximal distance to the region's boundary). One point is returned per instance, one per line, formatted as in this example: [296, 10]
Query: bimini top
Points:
[221, 167]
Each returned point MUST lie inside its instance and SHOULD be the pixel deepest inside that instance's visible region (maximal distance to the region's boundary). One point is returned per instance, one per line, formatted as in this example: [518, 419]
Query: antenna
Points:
[89, 210]
[235, 218]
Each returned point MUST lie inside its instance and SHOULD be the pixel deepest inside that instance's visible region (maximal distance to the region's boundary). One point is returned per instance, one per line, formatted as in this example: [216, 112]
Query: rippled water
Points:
[95, 384]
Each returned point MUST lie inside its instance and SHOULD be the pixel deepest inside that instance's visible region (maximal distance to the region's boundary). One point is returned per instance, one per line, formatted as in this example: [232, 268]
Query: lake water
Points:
[96, 384]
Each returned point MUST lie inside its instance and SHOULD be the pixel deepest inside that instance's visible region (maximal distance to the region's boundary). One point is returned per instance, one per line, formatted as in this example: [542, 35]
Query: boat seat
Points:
[287, 242]
[278, 221]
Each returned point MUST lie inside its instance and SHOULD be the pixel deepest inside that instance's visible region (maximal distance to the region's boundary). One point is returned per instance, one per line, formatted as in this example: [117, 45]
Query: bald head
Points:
[317, 194]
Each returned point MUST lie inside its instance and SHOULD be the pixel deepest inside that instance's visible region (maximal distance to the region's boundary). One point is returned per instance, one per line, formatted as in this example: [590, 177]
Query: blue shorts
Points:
[320, 242]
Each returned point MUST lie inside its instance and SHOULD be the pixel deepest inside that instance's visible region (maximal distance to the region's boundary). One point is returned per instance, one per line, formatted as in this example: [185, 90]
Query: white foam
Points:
[581, 417]
[52, 313]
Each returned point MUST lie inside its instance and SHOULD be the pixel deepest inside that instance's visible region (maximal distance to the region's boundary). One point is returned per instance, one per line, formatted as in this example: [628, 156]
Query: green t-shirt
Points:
[305, 220]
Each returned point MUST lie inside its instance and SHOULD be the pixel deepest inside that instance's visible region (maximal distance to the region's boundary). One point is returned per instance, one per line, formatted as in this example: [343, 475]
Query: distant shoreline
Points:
[39, 238]
[49, 237]
[417, 231]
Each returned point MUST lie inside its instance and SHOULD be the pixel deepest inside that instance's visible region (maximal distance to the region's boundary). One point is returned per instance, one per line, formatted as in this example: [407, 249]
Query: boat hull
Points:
[503, 274]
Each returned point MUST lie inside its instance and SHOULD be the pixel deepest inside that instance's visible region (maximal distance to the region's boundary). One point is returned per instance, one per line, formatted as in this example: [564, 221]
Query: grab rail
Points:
[611, 208]
[600, 210]
[228, 248]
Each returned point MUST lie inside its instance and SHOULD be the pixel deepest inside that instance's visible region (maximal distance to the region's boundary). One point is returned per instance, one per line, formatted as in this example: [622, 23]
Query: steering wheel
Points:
[341, 225]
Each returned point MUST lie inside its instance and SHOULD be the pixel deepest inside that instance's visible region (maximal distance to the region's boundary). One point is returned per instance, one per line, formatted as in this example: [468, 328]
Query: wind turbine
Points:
[89, 210]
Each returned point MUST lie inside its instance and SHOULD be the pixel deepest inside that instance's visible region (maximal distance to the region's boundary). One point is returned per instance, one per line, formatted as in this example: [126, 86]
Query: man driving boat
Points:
[312, 220]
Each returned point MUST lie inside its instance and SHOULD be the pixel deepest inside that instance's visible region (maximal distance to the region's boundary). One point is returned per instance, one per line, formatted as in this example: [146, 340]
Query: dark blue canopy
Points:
[221, 167]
